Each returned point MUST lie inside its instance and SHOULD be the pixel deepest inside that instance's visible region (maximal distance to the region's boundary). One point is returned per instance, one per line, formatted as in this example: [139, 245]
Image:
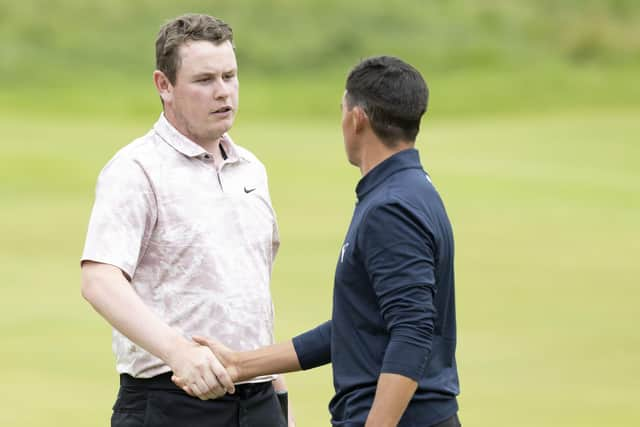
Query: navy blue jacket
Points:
[393, 303]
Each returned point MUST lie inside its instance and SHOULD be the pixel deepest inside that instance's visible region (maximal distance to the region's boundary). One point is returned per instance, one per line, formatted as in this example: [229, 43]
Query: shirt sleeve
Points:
[313, 347]
[122, 218]
[398, 253]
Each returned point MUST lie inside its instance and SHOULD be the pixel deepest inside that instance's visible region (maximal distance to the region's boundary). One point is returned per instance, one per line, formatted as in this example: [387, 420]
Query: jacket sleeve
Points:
[399, 255]
[314, 347]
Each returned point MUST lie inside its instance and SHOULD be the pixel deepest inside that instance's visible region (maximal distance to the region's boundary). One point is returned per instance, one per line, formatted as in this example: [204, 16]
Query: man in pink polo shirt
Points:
[181, 242]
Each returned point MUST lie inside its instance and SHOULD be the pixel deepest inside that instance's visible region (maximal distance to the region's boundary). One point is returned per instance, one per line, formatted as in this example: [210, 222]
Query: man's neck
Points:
[209, 145]
[375, 152]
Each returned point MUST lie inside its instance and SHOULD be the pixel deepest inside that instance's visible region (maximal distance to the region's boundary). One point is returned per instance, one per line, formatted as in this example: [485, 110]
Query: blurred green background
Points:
[532, 138]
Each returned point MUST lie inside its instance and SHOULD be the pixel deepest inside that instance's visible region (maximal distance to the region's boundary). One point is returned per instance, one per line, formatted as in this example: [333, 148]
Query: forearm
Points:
[286, 357]
[274, 359]
[393, 394]
[114, 299]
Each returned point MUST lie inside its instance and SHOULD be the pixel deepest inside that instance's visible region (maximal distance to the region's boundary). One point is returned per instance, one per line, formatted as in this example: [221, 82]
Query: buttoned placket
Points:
[219, 175]
[209, 159]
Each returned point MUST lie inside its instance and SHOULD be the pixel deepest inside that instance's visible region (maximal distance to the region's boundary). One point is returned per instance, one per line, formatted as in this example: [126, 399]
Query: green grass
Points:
[91, 58]
[532, 139]
[512, 90]
[545, 209]
[284, 36]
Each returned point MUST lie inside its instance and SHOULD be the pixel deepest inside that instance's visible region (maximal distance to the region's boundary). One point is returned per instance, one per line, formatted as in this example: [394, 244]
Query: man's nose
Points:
[221, 89]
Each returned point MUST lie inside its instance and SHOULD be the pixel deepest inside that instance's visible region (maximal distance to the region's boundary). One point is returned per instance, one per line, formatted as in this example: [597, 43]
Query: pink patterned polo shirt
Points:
[196, 237]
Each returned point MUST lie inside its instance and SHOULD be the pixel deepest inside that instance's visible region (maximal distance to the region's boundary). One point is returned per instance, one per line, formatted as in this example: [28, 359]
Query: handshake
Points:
[204, 368]
[207, 369]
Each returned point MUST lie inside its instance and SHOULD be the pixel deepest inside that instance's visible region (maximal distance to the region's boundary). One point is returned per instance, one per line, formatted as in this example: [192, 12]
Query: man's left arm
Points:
[392, 397]
[398, 252]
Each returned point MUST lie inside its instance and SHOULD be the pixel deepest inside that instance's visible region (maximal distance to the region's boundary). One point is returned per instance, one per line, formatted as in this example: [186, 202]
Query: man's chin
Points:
[221, 127]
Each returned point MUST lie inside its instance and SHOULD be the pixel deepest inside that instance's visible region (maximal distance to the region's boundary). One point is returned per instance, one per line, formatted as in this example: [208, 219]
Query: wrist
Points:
[238, 360]
[175, 348]
[373, 422]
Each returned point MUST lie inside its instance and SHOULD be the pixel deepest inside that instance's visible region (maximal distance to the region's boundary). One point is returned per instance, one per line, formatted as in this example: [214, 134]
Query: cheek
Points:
[195, 101]
[346, 142]
[235, 94]
[345, 128]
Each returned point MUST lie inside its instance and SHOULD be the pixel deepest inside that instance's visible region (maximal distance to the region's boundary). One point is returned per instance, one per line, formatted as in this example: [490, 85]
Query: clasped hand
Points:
[205, 369]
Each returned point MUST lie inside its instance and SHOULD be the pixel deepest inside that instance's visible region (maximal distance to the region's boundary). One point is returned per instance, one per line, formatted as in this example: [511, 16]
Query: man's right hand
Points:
[245, 365]
[201, 373]
[223, 354]
[109, 292]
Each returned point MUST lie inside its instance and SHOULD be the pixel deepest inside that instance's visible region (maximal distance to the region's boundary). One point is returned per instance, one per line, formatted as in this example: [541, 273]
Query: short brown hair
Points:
[185, 28]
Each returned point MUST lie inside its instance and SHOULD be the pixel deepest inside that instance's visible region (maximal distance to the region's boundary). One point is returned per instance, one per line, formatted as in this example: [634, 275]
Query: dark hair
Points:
[392, 93]
[185, 28]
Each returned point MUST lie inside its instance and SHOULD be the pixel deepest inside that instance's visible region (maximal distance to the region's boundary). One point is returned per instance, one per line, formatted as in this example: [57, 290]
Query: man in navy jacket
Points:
[392, 336]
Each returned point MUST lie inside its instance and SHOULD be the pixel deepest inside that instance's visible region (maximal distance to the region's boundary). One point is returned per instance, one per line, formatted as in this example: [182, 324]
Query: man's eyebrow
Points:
[215, 73]
[205, 74]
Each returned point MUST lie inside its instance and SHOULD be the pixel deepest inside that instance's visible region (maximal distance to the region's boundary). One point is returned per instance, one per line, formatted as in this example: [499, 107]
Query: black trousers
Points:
[157, 402]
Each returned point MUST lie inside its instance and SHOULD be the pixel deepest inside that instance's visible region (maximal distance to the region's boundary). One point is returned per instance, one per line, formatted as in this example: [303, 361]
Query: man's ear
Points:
[360, 119]
[163, 85]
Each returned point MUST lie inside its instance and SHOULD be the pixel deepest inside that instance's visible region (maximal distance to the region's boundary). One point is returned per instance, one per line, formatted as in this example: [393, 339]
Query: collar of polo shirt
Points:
[184, 145]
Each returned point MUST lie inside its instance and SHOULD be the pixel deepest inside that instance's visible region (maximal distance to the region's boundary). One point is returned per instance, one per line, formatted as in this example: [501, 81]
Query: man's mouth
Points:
[222, 110]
